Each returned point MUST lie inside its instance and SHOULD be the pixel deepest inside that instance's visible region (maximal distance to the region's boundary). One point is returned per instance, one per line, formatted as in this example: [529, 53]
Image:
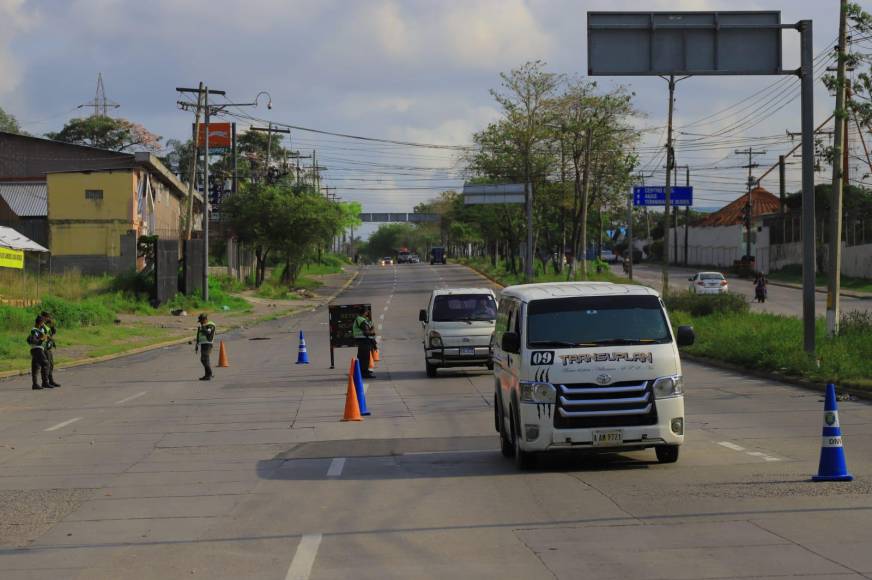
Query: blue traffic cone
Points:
[358, 386]
[303, 354]
[832, 466]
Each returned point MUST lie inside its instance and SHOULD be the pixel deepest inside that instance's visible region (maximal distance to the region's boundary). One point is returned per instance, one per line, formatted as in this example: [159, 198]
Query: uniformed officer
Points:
[362, 331]
[49, 329]
[38, 363]
[205, 336]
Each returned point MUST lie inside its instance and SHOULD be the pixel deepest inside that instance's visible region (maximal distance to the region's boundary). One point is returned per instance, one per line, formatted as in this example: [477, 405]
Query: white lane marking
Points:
[763, 456]
[380, 326]
[64, 424]
[732, 446]
[386, 308]
[335, 469]
[131, 397]
[381, 317]
[304, 558]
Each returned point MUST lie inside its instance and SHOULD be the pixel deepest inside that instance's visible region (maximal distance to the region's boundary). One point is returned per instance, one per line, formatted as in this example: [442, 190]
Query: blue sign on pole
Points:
[656, 195]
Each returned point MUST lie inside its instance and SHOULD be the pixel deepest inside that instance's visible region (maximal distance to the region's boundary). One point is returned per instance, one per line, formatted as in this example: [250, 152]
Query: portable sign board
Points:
[684, 43]
[342, 318]
[10, 258]
[656, 195]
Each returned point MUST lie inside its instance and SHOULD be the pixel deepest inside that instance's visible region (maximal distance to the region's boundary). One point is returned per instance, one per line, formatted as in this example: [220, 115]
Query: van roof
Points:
[448, 291]
[528, 292]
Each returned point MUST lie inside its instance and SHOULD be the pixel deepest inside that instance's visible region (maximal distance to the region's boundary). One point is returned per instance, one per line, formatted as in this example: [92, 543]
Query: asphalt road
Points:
[780, 299]
[135, 470]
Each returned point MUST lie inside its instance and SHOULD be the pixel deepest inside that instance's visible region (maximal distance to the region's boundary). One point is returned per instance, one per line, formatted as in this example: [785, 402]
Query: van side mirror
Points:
[511, 342]
[422, 315]
[690, 279]
[686, 336]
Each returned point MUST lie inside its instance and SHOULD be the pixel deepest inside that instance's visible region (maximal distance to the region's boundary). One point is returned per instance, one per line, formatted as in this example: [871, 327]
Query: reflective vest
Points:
[49, 332]
[360, 327]
[206, 333]
[35, 338]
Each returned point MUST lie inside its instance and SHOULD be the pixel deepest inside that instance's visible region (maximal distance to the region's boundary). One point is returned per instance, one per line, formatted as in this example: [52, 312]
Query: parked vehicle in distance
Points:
[403, 256]
[590, 366]
[386, 261]
[708, 283]
[414, 259]
[437, 255]
[608, 256]
[458, 326]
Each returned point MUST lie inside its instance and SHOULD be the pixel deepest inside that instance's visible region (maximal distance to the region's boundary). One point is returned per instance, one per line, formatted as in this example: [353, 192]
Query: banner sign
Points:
[220, 136]
[11, 258]
[656, 195]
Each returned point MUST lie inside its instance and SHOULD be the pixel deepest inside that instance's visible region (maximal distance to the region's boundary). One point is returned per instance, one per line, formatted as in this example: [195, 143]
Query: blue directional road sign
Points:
[656, 195]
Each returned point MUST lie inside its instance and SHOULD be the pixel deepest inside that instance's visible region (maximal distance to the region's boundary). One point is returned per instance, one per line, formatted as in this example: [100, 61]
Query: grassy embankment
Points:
[85, 310]
[793, 274]
[274, 289]
[506, 278]
[727, 331]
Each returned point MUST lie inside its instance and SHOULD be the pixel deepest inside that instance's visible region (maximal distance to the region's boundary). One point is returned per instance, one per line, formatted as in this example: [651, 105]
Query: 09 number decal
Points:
[541, 357]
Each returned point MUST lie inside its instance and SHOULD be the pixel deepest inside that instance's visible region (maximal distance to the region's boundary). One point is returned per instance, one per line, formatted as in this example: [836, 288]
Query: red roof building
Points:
[762, 203]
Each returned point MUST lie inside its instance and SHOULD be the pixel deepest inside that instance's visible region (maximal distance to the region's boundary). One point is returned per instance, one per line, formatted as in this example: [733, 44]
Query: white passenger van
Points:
[458, 326]
[587, 366]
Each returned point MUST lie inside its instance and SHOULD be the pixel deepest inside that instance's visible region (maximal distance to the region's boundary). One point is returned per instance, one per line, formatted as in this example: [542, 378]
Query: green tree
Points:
[108, 133]
[9, 123]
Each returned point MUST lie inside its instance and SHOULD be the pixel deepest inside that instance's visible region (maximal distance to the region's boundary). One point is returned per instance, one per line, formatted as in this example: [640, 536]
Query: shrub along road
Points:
[136, 470]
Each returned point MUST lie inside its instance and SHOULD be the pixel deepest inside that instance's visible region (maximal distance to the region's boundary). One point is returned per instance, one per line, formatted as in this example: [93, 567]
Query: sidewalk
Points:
[823, 290]
[180, 329]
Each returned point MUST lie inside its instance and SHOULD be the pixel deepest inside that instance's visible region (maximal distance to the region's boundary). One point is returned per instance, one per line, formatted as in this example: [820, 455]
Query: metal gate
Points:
[166, 270]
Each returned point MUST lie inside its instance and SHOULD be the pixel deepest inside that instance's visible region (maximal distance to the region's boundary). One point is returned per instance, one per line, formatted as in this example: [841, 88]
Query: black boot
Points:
[36, 387]
[52, 382]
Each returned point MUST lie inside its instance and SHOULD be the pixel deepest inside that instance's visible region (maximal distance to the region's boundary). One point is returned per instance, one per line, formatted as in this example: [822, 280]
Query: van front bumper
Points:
[550, 438]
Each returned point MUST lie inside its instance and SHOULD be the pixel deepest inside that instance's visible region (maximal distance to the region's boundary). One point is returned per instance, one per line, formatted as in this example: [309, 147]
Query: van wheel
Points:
[523, 459]
[431, 370]
[667, 453]
[506, 446]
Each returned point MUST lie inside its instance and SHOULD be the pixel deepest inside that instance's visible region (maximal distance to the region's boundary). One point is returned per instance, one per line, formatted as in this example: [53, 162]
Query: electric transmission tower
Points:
[100, 104]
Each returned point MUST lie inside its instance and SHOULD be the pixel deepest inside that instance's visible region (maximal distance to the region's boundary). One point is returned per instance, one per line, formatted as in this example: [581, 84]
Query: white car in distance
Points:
[708, 283]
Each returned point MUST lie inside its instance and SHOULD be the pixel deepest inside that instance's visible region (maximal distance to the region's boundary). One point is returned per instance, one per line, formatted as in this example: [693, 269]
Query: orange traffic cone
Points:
[352, 410]
[371, 361]
[222, 356]
[375, 355]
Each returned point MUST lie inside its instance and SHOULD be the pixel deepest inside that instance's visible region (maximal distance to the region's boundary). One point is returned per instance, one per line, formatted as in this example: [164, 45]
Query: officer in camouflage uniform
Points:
[38, 362]
[205, 336]
[49, 329]
[362, 331]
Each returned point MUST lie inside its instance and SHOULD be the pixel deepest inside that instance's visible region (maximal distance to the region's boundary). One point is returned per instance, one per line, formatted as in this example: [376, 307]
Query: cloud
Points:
[14, 20]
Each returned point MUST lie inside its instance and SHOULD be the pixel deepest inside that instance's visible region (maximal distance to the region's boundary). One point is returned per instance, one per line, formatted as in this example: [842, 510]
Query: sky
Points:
[408, 70]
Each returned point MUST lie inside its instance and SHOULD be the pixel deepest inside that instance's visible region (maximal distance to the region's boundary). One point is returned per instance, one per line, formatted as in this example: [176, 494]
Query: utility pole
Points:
[670, 160]
[630, 234]
[782, 184]
[269, 131]
[749, 206]
[235, 153]
[806, 29]
[189, 209]
[840, 166]
[675, 169]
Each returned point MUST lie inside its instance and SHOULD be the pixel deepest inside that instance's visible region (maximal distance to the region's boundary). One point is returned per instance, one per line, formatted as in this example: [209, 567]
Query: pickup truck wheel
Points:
[667, 453]
[523, 459]
[431, 370]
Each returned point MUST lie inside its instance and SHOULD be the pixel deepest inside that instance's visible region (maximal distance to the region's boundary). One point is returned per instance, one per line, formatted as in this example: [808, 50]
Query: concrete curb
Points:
[178, 341]
[482, 274]
[807, 384]
[849, 293]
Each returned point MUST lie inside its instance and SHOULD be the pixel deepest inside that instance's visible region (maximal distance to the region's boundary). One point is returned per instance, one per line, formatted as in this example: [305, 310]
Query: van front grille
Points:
[587, 405]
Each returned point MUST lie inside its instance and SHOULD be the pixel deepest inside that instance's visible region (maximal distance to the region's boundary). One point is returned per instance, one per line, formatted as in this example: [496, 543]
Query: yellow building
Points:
[96, 216]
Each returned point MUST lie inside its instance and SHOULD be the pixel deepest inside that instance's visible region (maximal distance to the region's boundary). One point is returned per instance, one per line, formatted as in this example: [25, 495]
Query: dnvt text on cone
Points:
[832, 465]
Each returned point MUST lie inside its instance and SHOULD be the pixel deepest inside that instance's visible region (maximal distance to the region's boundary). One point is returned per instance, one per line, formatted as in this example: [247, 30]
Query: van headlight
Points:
[666, 387]
[533, 392]
[435, 339]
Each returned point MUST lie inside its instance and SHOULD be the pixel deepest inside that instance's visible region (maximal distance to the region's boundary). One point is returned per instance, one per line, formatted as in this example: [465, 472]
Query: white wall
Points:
[708, 246]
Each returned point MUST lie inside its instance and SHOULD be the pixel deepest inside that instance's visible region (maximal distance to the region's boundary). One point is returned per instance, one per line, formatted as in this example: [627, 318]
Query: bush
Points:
[706, 304]
[88, 312]
[856, 322]
[13, 318]
[139, 284]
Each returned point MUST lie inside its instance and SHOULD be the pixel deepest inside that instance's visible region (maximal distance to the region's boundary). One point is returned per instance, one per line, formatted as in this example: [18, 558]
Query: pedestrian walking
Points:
[363, 333]
[38, 363]
[49, 329]
[205, 336]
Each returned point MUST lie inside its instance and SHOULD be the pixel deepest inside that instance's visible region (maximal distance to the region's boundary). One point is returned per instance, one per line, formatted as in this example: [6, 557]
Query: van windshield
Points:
[464, 307]
[596, 320]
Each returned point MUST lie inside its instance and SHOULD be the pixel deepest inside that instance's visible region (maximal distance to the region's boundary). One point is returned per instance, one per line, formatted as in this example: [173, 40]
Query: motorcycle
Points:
[760, 293]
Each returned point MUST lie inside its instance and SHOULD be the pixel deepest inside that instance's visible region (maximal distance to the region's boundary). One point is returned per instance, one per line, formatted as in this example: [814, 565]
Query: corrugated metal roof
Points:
[762, 203]
[10, 238]
[26, 199]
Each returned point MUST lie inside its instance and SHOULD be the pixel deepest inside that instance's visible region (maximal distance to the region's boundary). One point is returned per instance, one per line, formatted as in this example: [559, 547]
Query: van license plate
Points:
[608, 438]
[467, 350]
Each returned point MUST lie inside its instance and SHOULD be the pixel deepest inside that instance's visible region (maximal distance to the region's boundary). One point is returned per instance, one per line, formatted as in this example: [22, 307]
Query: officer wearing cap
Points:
[205, 336]
[49, 330]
